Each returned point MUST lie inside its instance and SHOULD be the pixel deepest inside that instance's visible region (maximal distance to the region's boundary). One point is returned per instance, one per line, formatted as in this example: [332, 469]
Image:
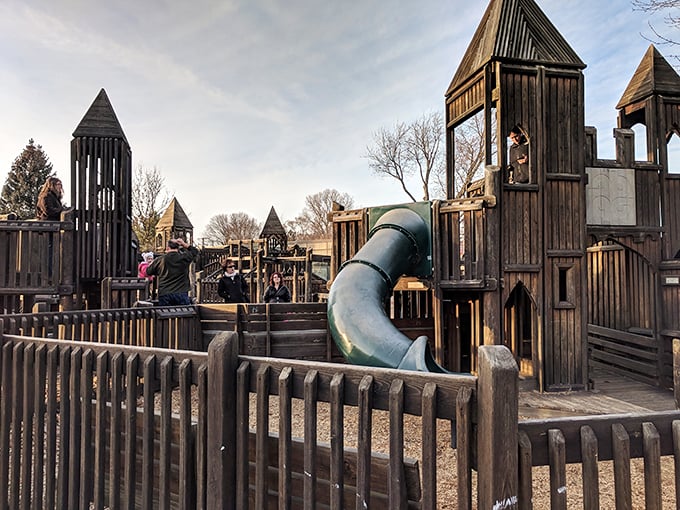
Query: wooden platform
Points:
[611, 394]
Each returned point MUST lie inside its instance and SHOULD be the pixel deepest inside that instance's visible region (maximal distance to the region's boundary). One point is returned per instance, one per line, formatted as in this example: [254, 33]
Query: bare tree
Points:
[312, 222]
[670, 9]
[408, 150]
[416, 149]
[469, 158]
[149, 199]
[224, 227]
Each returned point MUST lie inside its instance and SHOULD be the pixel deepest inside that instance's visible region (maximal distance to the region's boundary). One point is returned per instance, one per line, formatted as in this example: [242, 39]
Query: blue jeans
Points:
[178, 298]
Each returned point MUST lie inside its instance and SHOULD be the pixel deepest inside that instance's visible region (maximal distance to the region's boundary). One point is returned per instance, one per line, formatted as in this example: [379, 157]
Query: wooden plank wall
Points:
[101, 177]
[64, 415]
[622, 289]
[165, 328]
[350, 229]
[672, 224]
[36, 257]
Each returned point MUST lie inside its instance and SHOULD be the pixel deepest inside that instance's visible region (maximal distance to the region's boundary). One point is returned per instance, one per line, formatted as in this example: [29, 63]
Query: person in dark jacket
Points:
[519, 157]
[172, 271]
[49, 206]
[232, 287]
[276, 292]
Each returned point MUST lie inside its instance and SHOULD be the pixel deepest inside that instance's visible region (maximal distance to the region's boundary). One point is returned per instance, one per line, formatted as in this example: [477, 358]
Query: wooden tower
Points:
[274, 234]
[652, 98]
[173, 224]
[101, 193]
[520, 71]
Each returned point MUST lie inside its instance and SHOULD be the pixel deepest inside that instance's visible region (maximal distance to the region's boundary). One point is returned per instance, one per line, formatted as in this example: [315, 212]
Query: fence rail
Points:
[70, 428]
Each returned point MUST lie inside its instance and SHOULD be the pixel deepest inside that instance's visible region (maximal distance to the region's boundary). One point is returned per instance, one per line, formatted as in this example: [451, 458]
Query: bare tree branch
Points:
[149, 199]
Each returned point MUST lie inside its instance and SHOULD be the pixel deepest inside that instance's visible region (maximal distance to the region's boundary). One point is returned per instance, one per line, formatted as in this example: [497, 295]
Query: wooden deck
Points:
[611, 394]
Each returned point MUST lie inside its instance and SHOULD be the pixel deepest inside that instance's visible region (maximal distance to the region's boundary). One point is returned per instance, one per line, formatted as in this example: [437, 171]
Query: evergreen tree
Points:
[29, 172]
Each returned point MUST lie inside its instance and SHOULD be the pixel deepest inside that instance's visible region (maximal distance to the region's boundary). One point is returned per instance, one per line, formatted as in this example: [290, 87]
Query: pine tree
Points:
[29, 172]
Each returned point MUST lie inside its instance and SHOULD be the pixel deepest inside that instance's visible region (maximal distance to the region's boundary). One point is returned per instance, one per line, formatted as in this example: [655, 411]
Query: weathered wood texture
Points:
[101, 180]
[167, 328]
[85, 448]
[36, 258]
[123, 292]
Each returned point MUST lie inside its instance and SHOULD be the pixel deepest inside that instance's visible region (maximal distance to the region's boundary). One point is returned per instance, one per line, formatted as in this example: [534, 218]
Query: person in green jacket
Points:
[172, 271]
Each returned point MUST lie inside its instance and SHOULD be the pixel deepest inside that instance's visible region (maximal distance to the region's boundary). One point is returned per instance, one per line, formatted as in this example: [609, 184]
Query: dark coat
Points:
[520, 170]
[274, 295]
[49, 207]
[234, 289]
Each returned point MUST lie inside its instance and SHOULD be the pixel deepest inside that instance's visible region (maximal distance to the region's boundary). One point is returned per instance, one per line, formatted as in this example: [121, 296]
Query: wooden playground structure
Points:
[533, 285]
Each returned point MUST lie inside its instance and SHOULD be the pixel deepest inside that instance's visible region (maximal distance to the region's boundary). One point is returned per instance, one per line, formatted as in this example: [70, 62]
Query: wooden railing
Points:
[167, 328]
[53, 449]
[36, 258]
[461, 238]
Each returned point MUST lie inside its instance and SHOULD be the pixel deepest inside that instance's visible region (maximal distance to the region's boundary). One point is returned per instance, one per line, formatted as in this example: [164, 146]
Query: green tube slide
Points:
[360, 327]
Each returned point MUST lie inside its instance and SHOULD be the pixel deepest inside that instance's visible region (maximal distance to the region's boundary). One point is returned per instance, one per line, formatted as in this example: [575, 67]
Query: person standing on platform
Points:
[232, 287]
[49, 206]
[172, 270]
[276, 292]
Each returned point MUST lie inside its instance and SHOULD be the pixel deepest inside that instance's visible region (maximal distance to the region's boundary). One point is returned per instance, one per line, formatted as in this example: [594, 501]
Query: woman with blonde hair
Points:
[49, 206]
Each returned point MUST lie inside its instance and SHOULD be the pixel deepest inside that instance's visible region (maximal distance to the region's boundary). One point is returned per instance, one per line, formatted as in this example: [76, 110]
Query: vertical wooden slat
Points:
[525, 476]
[242, 432]
[676, 456]
[285, 435]
[222, 367]
[397, 485]
[558, 469]
[100, 430]
[148, 433]
[131, 368]
[5, 417]
[464, 445]
[310, 394]
[337, 486]
[621, 458]
[589, 469]
[262, 436]
[201, 439]
[53, 356]
[75, 430]
[116, 430]
[86, 442]
[365, 413]
[187, 496]
[165, 458]
[651, 443]
[64, 427]
[39, 451]
[429, 446]
[27, 423]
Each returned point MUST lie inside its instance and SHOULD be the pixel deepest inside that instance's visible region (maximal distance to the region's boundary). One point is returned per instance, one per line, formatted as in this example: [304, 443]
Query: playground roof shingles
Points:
[654, 75]
[174, 217]
[100, 120]
[514, 31]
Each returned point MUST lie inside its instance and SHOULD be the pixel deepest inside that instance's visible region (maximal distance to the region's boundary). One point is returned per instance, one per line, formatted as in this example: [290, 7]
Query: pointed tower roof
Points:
[174, 217]
[100, 120]
[654, 75]
[515, 30]
[272, 226]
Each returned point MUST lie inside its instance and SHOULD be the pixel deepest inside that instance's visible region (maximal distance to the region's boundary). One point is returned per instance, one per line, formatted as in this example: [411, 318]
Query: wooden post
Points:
[308, 275]
[676, 371]
[492, 300]
[497, 439]
[260, 288]
[221, 447]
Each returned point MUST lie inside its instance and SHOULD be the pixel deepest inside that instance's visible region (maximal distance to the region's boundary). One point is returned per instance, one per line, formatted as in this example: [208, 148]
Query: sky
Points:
[247, 104]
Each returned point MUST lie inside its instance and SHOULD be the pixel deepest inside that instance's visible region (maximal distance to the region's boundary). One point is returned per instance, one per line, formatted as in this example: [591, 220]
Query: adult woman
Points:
[232, 286]
[49, 206]
[277, 292]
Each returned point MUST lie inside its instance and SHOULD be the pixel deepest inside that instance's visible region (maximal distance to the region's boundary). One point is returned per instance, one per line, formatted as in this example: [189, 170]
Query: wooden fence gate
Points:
[622, 304]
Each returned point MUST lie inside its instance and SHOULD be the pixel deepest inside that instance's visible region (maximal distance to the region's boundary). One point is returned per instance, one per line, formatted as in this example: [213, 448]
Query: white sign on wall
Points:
[610, 196]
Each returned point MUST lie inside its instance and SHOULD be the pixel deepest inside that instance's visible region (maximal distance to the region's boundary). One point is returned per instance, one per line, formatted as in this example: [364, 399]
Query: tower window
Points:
[564, 286]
